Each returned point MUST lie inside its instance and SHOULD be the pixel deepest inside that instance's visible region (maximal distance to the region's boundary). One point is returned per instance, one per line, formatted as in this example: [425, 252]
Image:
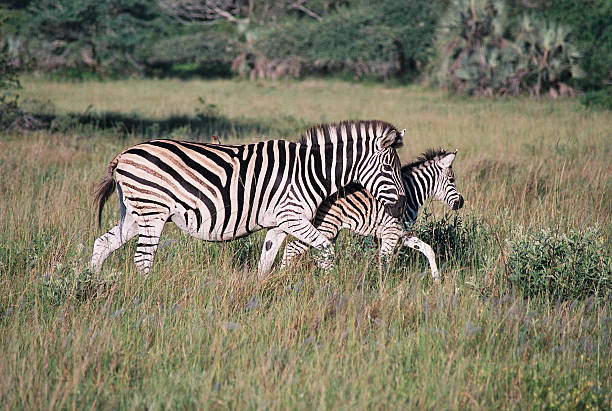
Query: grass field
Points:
[200, 332]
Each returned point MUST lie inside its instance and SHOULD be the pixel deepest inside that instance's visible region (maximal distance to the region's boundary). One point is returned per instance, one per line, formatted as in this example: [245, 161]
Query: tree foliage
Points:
[8, 79]
[481, 51]
[101, 35]
[261, 11]
[591, 31]
[8, 72]
[391, 38]
[479, 46]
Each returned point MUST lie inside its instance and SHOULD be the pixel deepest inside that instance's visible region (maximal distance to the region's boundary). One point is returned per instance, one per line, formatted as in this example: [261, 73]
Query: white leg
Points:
[112, 240]
[414, 242]
[274, 239]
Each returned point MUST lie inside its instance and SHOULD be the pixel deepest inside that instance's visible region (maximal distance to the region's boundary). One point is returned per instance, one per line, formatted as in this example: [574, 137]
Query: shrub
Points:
[457, 239]
[584, 394]
[392, 38]
[100, 36]
[591, 24]
[481, 51]
[598, 98]
[207, 53]
[569, 265]
[69, 282]
[11, 114]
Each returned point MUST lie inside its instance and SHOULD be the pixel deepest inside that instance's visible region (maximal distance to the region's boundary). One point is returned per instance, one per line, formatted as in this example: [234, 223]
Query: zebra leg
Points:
[417, 244]
[388, 242]
[149, 232]
[274, 239]
[293, 250]
[112, 240]
[297, 248]
[304, 231]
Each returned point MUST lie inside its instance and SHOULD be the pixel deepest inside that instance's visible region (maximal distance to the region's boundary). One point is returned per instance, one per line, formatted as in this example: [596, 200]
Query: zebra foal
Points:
[353, 208]
[218, 192]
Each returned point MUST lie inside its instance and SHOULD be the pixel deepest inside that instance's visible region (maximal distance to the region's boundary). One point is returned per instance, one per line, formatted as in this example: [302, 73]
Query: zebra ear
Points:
[392, 139]
[447, 160]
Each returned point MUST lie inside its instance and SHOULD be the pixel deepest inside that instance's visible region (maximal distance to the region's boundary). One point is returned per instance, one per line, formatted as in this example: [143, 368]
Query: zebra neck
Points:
[313, 176]
[419, 188]
[329, 167]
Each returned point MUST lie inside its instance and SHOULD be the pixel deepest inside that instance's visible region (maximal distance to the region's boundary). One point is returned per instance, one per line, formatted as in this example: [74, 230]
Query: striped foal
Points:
[355, 209]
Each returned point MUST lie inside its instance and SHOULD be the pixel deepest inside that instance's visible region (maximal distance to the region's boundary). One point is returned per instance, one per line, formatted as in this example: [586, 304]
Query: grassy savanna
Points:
[200, 331]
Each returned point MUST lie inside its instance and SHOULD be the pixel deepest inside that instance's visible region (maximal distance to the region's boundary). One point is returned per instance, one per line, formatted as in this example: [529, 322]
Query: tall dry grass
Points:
[199, 331]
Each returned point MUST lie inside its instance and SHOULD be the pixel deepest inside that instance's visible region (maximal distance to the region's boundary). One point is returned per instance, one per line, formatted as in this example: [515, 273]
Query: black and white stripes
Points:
[221, 192]
[353, 208]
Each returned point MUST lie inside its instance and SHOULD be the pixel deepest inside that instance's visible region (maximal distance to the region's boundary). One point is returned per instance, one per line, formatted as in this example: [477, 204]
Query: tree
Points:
[11, 114]
[260, 11]
[100, 35]
[481, 51]
[391, 38]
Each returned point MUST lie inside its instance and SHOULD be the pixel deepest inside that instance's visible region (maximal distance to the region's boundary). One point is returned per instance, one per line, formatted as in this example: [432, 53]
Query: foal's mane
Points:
[427, 155]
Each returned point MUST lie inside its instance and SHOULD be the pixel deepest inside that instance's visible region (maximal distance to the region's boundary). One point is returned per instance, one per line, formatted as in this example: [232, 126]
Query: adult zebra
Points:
[355, 209]
[222, 192]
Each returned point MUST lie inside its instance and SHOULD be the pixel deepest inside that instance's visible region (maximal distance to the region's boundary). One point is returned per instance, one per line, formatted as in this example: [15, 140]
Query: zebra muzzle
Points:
[458, 203]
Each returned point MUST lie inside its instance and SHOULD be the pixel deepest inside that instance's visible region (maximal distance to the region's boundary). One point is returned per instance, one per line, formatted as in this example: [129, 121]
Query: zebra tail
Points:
[105, 188]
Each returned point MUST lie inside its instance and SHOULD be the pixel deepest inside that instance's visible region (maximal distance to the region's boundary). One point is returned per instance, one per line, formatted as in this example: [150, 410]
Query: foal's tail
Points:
[105, 188]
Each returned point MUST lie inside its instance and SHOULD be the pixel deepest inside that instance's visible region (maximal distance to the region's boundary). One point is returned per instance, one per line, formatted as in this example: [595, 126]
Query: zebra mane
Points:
[310, 137]
[427, 155]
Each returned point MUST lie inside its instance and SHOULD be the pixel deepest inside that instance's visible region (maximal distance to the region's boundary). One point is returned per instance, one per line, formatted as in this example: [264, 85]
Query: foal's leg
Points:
[417, 244]
[304, 231]
[388, 241]
[293, 250]
[296, 248]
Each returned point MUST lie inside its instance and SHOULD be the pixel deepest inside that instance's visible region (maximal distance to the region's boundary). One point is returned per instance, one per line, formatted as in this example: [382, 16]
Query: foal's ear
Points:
[447, 160]
[392, 138]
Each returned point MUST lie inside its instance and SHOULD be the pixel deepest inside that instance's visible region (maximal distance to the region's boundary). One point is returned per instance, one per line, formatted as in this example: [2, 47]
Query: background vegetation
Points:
[513, 325]
[482, 47]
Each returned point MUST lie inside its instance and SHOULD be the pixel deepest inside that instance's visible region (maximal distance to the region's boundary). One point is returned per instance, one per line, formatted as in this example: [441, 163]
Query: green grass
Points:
[200, 331]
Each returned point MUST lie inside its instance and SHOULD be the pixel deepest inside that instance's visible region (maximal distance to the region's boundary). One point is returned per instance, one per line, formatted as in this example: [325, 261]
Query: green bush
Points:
[208, 53]
[555, 265]
[587, 393]
[391, 38]
[100, 36]
[482, 51]
[9, 107]
[591, 24]
[598, 98]
[459, 240]
[71, 283]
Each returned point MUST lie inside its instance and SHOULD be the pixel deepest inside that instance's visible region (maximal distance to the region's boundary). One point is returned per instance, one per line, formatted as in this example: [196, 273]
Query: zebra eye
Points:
[387, 167]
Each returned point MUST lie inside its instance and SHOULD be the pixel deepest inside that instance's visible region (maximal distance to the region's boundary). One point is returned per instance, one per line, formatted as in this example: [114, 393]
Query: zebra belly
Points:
[198, 221]
[187, 221]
